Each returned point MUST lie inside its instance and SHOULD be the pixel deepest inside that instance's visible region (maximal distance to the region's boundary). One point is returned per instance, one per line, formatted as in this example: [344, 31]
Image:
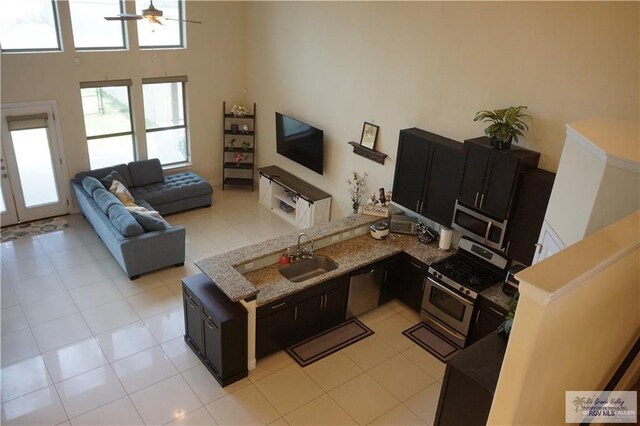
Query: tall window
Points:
[169, 34]
[90, 30]
[164, 116]
[107, 121]
[29, 25]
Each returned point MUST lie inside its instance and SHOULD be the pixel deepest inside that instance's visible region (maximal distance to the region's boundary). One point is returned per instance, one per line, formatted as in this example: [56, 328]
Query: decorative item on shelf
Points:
[505, 327]
[238, 158]
[369, 135]
[246, 145]
[506, 125]
[234, 129]
[357, 186]
[244, 128]
[232, 143]
[238, 110]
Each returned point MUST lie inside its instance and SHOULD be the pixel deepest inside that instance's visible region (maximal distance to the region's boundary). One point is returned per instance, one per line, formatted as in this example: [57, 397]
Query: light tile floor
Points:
[84, 345]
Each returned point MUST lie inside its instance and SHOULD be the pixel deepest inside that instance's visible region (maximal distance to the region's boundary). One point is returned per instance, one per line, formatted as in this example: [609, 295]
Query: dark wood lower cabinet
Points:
[470, 382]
[486, 319]
[410, 288]
[215, 328]
[301, 315]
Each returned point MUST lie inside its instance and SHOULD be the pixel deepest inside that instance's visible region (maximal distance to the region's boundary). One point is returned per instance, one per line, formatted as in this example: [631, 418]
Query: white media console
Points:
[293, 199]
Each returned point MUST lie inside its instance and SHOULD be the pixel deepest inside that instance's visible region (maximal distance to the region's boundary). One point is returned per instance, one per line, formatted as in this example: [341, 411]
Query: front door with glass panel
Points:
[32, 178]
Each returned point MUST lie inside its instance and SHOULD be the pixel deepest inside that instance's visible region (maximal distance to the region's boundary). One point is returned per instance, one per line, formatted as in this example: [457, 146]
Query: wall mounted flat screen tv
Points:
[300, 142]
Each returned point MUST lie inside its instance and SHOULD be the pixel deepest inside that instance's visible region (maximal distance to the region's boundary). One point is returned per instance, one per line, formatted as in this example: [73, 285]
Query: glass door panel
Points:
[32, 175]
[33, 157]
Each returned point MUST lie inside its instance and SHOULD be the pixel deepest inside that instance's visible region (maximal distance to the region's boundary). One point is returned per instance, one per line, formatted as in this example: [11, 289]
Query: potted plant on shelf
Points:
[357, 188]
[506, 125]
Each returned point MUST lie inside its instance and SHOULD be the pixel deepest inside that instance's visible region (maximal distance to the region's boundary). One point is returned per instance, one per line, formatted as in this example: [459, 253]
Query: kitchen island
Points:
[250, 276]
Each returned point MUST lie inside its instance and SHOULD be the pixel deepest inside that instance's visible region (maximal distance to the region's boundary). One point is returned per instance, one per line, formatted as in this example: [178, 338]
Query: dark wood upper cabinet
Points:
[491, 176]
[528, 213]
[428, 173]
[411, 166]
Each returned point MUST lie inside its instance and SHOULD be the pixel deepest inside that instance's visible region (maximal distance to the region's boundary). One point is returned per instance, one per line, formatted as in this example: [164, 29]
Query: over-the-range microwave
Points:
[480, 227]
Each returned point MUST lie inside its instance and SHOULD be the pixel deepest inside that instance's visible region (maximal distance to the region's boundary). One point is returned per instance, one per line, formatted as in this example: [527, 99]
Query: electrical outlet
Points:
[346, 234]
[335, 238]
[357, 231]
[248, 266]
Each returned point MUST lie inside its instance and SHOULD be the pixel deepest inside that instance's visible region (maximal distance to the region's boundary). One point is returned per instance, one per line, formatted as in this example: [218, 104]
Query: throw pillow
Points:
[90, 184]
[113, 175]
[146, 172]
[150, 220]
[104, 199]
[122, 193]
[124, 222]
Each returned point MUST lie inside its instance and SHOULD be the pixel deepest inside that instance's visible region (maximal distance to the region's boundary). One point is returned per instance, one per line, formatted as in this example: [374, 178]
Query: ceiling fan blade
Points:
[123, 17]
[183, 20]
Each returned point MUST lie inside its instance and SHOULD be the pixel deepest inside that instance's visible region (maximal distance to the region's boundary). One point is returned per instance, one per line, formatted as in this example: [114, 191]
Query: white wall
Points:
[214, 62]
[433, 65]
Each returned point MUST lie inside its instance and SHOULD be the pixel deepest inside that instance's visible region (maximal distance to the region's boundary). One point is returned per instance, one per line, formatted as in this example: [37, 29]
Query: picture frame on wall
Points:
[369, 135]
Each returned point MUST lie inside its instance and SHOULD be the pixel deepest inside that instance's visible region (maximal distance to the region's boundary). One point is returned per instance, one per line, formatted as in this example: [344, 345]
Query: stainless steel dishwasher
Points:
[364, 289]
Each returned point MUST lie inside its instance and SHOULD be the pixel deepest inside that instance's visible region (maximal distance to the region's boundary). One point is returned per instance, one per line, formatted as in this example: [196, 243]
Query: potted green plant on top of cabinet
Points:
[507, 125]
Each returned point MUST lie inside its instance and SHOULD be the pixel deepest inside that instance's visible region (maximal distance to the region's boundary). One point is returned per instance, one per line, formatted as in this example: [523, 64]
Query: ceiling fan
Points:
[151, 14]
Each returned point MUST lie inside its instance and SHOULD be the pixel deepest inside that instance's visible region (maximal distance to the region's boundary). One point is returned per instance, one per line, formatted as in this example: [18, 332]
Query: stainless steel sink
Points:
[307, 268]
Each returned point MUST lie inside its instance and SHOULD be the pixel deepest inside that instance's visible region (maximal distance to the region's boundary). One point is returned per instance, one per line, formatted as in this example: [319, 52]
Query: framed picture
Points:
[369, 135]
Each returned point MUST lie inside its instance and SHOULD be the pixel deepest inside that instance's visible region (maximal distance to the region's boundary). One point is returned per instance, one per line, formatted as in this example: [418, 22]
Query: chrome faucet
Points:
[299, 254]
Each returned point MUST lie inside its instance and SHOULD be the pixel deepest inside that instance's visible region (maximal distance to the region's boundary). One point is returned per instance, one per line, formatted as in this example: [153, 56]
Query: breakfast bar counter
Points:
[252, 272]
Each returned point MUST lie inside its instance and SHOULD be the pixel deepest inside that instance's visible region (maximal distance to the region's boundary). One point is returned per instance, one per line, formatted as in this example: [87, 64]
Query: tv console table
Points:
[293, 199]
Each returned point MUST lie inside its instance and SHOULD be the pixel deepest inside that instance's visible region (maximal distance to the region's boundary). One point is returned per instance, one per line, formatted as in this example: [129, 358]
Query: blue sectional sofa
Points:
[138, 251]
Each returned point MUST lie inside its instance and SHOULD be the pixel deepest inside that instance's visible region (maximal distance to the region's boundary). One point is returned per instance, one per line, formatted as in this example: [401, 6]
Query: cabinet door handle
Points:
[417, 205]
[506, 251]
[538, 248]
[497, 312]
[322, 301]
[481, 200]
[475, 203]
[416, 265]
[191, 304]
[278, 305]
[385, 275]
[295, 313]
[211, 324]
[421, 206]
[477, 315]
[326, 299]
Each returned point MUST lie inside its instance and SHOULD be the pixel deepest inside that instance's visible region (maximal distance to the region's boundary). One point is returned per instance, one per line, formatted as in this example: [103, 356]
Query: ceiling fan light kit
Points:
[151, 14]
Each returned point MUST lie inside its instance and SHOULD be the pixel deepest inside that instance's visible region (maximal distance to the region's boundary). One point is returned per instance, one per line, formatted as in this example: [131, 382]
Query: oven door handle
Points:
[443, 288]
[454, 334]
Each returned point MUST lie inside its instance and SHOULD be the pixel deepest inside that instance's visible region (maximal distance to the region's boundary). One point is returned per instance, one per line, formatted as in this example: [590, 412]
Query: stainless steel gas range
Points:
[453, 284]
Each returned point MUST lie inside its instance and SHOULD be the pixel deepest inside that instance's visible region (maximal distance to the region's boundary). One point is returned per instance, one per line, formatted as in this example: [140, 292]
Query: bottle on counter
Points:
[285, 258]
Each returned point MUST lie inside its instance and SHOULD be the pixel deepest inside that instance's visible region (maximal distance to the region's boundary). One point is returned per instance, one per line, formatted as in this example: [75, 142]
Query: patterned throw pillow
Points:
[122, 193]
[113, 175]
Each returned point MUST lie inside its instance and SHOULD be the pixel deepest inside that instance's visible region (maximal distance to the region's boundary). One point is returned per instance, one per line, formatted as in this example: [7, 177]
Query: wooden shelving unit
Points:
[238, 173]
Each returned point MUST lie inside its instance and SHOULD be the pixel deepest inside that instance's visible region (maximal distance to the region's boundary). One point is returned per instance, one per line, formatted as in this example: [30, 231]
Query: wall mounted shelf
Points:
[365, 152]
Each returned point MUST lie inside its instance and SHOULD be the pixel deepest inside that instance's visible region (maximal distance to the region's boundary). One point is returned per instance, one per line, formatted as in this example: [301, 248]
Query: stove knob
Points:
[461, 288]
[467, 292]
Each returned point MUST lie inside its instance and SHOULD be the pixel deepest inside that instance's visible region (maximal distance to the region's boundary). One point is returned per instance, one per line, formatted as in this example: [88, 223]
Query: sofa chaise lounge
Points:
[140, 250]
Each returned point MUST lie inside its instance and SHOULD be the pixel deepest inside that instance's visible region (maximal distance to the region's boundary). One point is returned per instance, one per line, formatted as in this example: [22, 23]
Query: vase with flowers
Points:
[357, 188]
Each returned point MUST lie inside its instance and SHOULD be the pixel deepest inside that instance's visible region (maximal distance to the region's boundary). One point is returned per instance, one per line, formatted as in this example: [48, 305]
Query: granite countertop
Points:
[349, 255]
[497, 296]
[267, 285]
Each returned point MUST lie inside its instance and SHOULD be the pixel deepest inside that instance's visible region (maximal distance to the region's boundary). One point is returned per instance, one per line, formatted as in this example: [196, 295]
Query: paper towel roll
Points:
[445, 238]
